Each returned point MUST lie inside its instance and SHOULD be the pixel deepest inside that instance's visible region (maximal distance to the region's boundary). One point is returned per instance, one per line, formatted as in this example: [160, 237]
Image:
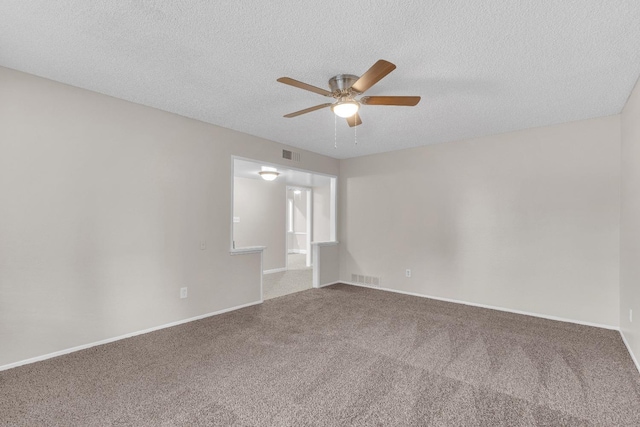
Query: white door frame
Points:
[309, 225]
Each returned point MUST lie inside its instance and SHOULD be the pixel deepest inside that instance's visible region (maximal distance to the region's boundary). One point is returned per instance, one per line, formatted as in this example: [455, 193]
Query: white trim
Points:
[121, 337]
[297, 251]
[247, 250]
[307, 246]
[261, 276]
[288, 214]
[275, 270]
[491, 307]
[232, 242]
[633, 356]
[333, 209]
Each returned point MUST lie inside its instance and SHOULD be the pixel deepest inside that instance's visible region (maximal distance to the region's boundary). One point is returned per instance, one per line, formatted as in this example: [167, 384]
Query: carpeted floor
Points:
[338, 356]
[297, 278]
[297, 262]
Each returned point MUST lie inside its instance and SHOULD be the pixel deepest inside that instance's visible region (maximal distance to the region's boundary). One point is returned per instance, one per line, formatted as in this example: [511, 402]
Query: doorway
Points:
[283, 215]
[299, 217]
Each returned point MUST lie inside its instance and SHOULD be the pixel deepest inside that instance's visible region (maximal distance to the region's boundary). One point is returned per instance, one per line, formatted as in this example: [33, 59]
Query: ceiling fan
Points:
[345, 88]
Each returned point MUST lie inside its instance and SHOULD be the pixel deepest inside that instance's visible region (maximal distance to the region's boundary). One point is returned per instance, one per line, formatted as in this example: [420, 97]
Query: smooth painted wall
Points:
[321, 213]
[260, 206]
[326, 260]
[526, 221]
[630, 223]
[103, 205]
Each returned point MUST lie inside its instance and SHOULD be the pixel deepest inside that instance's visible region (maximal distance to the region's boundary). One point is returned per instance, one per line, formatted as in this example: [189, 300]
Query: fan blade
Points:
[296, 83]
[409, 101]
[354, 120]
[373, 75]
[308, 110]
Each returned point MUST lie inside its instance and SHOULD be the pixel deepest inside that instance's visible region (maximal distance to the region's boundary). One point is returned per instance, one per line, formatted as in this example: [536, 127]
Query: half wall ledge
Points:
[247, 250]
[325, 263]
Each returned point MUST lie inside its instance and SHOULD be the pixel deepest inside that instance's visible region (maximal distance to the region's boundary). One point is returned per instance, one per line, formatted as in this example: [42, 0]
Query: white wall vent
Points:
[361, 279]
[291, 155]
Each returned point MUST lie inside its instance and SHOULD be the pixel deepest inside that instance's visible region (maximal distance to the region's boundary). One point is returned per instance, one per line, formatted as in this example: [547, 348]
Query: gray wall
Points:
[326, 259]
[321, 213]
[630, 222]
[260, 205]
[103, 204]
[526, 221]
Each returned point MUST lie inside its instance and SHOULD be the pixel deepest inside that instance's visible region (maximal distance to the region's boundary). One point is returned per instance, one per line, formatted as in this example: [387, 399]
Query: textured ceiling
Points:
[482, 67]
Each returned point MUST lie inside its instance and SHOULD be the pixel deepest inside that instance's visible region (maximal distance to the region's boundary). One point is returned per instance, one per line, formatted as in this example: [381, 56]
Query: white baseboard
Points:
[121, 337]
[329, 284]
[633, 356]
[297, 251]
[275, 270]
[491, 307]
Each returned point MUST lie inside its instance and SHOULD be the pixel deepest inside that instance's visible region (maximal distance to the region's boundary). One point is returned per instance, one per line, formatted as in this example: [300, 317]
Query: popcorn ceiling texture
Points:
[481, 67]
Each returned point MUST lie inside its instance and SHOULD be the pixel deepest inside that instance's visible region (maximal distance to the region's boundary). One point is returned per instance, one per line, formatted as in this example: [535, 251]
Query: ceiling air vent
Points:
[291, 155]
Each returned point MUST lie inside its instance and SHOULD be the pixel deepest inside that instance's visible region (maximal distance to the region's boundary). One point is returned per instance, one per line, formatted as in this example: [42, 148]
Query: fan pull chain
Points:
[335, 132]
[355, 130]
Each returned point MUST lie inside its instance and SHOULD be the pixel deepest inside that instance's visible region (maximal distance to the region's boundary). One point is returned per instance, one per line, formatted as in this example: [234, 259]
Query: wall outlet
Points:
[408, 272]
[203, 245]
[631, 315]
[183, 292]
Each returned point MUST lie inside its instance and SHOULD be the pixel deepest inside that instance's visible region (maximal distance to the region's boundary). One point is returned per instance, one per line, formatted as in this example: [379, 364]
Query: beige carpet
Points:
[297, 262]
[297, 278]
[338, 356]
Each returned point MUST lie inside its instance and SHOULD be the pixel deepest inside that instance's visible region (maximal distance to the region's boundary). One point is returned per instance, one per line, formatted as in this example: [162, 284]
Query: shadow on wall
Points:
[506, 220]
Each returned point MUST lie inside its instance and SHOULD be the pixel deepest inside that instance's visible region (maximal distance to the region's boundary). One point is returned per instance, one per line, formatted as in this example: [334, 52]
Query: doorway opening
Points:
[299, 227]
[285, 215]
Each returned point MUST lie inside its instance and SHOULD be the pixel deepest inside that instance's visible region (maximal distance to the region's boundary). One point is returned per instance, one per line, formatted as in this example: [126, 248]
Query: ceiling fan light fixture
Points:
[345, 87]
[268, 173]
[345, 108]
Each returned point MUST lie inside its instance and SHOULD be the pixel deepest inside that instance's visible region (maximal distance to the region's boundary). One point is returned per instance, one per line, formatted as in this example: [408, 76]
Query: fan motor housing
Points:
[342, 82]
